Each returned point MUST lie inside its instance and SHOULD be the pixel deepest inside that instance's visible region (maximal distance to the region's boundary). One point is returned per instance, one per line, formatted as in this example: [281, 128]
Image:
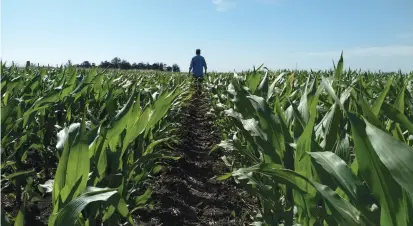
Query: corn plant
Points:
[329, 147]
[97, 133]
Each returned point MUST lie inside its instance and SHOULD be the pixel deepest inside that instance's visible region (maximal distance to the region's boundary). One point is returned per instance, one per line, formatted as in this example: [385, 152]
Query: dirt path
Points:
[186, 193]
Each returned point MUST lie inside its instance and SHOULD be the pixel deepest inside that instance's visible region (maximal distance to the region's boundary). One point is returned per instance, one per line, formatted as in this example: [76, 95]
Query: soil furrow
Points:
[186, 193]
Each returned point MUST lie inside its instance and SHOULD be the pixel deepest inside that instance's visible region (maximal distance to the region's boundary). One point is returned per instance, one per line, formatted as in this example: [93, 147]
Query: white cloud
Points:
[223, 5]
[379, 51]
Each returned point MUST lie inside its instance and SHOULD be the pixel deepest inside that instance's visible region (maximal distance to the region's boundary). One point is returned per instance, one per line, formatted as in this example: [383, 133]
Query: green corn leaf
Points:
[288, 160]
[153, 144]
[78, 161]
[302, 161]
[394, 127]
[8, 110]
[162, 105]
[273, 84]
[397, 116]
[101, 155]
[120, 122]
[262, 89]
[367, 113]
[304, 105]
[240, 100]
[399, 102]
[117, 203]
[398, 161]
[342, 173]
[342, 211]
[97, 87]
[137, 128]
[69, 83]
[50, 98]
[378, 178]
[305, 142]
[347, 180]
[67, 194]
[270, 126]
[329, 89]
[70, 213]
[19, 221]
[19, 175]
[379, 101]
[73, 164]
[143, 199]
[331, 125]
[257, 137]
[253, 80]
[338, 75]
[5, 221]
[343, 148]
[282, 176]
[225, 176]
[60, 176]
[110, 102]
[135, 113]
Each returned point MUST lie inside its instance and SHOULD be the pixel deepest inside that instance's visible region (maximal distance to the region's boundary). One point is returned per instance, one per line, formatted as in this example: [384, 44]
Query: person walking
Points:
[197, 64]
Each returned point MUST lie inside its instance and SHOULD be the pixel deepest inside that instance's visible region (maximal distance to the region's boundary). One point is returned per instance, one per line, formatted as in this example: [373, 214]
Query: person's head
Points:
[198, 52]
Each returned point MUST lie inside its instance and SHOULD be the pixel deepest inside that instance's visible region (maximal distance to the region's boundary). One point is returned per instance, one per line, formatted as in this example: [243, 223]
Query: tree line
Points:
[118, 63]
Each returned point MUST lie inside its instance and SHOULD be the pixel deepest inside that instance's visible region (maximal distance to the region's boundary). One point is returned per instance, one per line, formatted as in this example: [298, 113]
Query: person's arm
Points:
[205, 66]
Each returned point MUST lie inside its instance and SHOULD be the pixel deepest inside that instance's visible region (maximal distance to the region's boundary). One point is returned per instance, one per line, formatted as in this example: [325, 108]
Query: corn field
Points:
[97, 147]
[320, 148]
[84, 136]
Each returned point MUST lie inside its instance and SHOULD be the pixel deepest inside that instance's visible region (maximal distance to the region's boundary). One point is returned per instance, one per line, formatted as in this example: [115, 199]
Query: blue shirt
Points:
[197, 64]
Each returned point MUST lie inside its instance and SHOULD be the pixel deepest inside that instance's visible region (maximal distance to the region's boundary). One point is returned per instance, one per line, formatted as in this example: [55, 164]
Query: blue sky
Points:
[232, 34]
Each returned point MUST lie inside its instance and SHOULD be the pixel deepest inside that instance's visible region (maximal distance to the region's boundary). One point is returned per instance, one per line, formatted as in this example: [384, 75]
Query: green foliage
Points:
[96, 136]
[316, 148]
[334, 145]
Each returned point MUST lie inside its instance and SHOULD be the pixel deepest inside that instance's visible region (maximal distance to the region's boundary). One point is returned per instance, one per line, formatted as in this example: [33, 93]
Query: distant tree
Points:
[85, 64]
[125, 65]
[141, 66]
[134, 66]
[115, 62]
[155, 66]
[161, 66]
[175, 68]
[105, 64]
